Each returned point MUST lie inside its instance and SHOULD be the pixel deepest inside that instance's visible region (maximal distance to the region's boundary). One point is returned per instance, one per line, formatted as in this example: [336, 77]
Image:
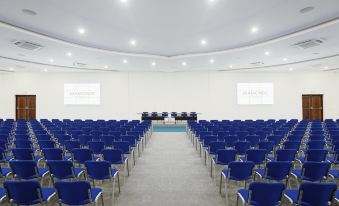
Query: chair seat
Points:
[260, 172]
[334, 173]
[6, 171]
[2, 194]
[301, 159]
[42, 171]
[244, 194]
[114, 171]
[96, 192]
[47, 193]
[331, 159]
[78, 171]
[292, 195]
[218, 162]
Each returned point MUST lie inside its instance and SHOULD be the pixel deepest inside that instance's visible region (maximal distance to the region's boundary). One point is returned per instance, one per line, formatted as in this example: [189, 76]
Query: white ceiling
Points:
[168, 32]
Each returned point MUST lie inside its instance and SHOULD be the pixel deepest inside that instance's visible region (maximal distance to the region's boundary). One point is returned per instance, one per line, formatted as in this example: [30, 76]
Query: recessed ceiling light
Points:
[203, 42]
[11, 69]
[326, 67]
[212, 61]
[51, 60]
[183, 63]
[132, 42]
[230, 66]
[125, 61]
[123, 1]
[211, 1]
[254, 29]
[105, 66]
[291, 69]
[69, 54]
[284, 59]
[45, 70]
[306, 9]
[29, 12]
[153, 63]
[267, 53]
[81, 31]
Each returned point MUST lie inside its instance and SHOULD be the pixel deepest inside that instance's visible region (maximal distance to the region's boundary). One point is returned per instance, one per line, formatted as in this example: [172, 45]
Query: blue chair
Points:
[276, 171]
[312, 171]
[116, 157]
[312, 194]
[44, 144]
[101, 170]
[28, 192]
[84, 193]
[23, 143]
[284, 155]
[242, 147]
[54, 154]
[3, 195]
[71, 144]
[291, 145]
[223, 157]
[27, 169]
[315, 144]
[237, 171]
[267, 145]
[314, 155]
[82, 155]
[258, 156]
[25, 154]
[124, 146]
[213, 148]
[96, 146]
[63, 169]
[257, 194]
[5, 172]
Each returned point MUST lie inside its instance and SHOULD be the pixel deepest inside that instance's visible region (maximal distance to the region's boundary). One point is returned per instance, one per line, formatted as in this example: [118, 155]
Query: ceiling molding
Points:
[280, 65]
[330, 22]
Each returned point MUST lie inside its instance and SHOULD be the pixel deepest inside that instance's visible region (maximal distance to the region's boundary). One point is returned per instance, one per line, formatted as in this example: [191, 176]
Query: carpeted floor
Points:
[169, 173]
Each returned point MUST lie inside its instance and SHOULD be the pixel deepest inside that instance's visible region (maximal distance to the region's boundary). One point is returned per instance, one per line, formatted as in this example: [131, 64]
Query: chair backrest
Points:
[267, 145]
[23, 154]
[315, 171]
[226, 156]
[53, 154]
[114, 156]
[43, 144]
[240, 170]
[215, 146]
[316, 155]
[316, 194]
[258, 193]
[96, 146]
[61, 169]
[278, 170]
[315, 144]
[123, 146]
[242, 147]
[258, 156]
[98, 170]
[67, 189]
[292, 145]
[22, 143]
[24, 192]
[286, 154]
[71, 144]
[24, 169]
[82, 155]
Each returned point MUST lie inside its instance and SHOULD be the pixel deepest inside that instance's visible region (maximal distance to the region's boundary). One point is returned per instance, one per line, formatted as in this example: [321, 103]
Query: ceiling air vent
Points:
[257, 63]
[28, 45]
[309, 43]
[79, 64]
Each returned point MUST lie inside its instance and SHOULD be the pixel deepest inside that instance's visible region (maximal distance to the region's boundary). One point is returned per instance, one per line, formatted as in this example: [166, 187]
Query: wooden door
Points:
[25, 107]
[312, 106]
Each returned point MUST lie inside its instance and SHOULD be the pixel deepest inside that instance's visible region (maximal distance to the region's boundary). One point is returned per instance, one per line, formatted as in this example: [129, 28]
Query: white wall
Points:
[211, 93]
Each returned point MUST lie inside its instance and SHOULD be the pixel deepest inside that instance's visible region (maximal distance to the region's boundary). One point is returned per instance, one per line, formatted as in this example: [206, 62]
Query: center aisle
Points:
[171, 173]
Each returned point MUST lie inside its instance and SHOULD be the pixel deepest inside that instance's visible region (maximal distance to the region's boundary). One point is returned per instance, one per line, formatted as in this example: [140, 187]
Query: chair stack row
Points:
[66, 150]
[272, 154]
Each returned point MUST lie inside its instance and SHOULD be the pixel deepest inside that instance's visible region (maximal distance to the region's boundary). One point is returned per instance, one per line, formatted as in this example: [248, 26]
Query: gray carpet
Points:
[170, 172]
